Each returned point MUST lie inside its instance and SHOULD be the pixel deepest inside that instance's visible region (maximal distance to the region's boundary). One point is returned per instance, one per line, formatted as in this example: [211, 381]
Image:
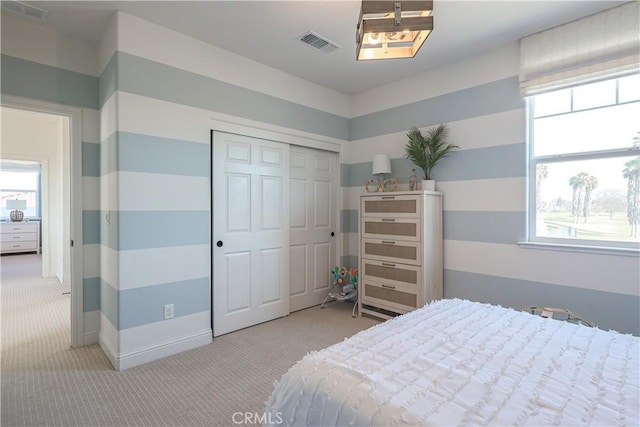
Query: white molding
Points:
[73, 224]
[92, 327]
[91, 338]
[163, 349]
[245, 127]
[157, 351]
[602, 250]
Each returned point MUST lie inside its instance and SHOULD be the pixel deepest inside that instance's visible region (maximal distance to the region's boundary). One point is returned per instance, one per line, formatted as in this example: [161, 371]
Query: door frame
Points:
[72, 211]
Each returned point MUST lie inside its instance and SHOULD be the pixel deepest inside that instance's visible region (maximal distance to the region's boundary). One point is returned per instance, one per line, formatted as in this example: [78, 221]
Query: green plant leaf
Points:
[426, 151]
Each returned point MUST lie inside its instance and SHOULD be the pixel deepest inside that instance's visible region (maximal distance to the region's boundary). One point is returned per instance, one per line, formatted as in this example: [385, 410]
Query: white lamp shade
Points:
[381, 164]
[16, 204]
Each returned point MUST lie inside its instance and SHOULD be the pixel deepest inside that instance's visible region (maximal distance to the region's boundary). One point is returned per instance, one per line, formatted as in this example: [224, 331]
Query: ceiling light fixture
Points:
[392, 29]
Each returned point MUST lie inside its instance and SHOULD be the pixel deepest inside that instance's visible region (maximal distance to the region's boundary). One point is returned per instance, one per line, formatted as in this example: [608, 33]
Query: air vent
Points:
[319, 42]
[25, 10]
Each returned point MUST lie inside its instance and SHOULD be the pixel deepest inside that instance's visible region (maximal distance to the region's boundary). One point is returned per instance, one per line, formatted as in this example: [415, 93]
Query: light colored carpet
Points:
[44, 382]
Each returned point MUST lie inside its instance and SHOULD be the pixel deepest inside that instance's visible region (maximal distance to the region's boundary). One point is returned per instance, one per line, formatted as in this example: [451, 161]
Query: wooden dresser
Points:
[400, 251]
[20, 237]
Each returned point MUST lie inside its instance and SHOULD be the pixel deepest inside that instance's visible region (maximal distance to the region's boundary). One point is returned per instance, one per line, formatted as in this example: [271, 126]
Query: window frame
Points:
[564, 243]
[38, 193]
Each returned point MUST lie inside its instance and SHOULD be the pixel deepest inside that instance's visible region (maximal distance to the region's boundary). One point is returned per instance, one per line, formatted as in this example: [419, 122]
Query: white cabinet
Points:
[400, 251]
[20, 237]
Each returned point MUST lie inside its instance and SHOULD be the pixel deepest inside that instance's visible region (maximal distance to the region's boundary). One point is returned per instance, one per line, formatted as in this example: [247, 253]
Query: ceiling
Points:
[268, 31]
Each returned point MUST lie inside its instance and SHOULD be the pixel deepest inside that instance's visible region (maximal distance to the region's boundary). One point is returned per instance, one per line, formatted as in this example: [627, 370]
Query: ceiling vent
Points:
[26, 10]
[319, 42]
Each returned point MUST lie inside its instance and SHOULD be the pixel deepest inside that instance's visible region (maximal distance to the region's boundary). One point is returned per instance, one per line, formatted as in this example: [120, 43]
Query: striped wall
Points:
[484, 185]
[40, 64]
[147, 114]
[156, 116]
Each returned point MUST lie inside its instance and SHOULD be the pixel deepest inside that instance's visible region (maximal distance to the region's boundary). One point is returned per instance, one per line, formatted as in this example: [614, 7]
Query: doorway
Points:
[49, 134]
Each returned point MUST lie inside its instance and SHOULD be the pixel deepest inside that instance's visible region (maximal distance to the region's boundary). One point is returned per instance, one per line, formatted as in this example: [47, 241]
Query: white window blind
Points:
[604, 45]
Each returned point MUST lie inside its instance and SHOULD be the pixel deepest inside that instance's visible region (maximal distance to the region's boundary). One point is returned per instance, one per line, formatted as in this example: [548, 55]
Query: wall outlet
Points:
[168, 311]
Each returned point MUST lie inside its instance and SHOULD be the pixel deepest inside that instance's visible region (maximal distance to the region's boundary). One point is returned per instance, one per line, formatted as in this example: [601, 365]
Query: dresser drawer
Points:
[396, 298]
[18, 227]
[391, 228]
[18, 246]
[391, 273]
[392, 250]
[18, 237]
[394, 206]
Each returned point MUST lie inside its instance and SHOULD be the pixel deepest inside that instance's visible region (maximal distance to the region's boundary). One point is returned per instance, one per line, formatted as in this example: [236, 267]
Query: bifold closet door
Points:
[250, 231]
[313, 217]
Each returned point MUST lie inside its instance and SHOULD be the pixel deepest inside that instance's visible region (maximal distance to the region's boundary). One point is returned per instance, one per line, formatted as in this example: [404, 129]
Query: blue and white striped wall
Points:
[156, 116]
[41, 64]
[484, 186]
[146, 169]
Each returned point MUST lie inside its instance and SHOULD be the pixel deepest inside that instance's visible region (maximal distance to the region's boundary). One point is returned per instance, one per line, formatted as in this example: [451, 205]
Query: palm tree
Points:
[542, 172]
[577, 182]
[591, 182]
[631, 172]
[583, 185]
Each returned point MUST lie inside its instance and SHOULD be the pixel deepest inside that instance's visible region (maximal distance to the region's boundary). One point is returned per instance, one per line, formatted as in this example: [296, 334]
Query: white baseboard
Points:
[150, 353]
[91, 338]
[91, 326]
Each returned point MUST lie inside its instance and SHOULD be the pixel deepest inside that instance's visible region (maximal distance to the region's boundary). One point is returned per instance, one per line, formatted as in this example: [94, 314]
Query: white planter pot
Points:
[428, 184]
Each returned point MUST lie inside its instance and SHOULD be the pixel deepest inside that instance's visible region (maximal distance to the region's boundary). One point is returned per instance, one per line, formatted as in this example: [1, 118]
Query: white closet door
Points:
[313, 216]
[251, 231]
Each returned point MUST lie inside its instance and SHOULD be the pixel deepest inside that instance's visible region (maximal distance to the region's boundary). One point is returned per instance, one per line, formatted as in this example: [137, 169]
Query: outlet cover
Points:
[168, 311]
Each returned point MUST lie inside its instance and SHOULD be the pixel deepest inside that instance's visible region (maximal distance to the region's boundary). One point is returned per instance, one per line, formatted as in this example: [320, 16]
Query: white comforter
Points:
[456, 362]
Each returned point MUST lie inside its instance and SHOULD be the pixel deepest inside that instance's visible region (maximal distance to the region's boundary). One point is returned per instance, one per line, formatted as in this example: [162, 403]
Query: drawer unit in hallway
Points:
[400, 251]
[18, 237]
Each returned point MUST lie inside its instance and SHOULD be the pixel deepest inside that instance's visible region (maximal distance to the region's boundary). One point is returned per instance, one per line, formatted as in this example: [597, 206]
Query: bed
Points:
[456, 362]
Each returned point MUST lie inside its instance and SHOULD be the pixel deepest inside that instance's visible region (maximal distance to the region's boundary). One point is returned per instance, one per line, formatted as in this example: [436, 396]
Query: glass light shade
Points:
[381, 164]
[387, 32]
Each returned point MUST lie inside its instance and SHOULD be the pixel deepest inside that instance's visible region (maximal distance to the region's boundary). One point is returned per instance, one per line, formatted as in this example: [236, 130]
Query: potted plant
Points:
[426, 150]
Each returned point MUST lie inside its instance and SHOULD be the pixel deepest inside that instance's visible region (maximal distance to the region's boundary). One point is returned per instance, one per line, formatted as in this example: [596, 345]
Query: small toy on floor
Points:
[344, 288]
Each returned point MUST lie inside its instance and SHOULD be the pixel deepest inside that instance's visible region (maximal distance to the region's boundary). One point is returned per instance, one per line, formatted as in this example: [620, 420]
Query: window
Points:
[20, 180]
[584, 164]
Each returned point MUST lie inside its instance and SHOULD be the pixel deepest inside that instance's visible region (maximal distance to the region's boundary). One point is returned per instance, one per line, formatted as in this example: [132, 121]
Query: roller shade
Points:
[600, 46]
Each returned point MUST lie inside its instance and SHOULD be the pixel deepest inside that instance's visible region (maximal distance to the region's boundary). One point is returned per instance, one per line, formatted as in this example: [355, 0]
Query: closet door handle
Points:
[219, 243]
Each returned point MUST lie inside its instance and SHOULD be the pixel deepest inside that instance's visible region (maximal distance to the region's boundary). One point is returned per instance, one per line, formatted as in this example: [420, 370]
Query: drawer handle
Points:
[388, 243]
[386, 264]
[16, 246]
[16, 237]
[388, 219]
[16, 228]
[388, 286]
[388, 197]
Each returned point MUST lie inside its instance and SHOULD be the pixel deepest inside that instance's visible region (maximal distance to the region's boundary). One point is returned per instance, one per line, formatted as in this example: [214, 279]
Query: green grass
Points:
[600, 226]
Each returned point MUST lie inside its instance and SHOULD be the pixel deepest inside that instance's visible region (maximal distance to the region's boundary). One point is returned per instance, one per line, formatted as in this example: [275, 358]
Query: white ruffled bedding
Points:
[456, 362]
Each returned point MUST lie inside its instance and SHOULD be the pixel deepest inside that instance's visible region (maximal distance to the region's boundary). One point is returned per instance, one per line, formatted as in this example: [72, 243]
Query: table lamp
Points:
[18, 206]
